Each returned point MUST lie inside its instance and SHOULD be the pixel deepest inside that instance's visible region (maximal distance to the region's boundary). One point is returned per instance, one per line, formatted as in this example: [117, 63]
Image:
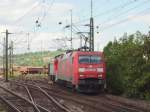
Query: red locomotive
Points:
[84, 71]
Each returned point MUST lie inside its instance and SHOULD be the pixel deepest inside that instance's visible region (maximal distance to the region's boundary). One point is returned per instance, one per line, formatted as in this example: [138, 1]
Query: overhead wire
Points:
[109, 11]
[78, 30]
[35, 5]
[125, 12]
[121, 6]
[124, 20]
[116, 8]
[40, 20]
[49, 8]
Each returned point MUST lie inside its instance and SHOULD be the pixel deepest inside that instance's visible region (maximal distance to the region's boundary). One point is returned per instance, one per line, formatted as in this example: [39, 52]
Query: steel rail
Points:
[113, 105]
[23, 98]
[49, 96]
[31, 98]
[123, 107]
[10, 104]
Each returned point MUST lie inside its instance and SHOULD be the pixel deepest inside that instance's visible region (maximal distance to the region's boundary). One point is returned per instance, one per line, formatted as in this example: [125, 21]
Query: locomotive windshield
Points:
[90, 59]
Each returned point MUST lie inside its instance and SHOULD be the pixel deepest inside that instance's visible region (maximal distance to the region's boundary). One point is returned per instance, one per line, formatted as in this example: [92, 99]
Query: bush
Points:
[128, 62]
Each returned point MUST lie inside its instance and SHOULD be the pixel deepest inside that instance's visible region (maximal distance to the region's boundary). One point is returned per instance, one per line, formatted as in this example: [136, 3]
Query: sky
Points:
[36, 22]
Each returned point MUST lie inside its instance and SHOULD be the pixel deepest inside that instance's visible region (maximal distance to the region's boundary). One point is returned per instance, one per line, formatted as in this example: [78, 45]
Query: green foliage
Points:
[35, 58]
[128, 62]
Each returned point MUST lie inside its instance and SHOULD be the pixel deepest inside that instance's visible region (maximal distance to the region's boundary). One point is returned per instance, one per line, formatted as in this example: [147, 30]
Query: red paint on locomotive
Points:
[86, 71]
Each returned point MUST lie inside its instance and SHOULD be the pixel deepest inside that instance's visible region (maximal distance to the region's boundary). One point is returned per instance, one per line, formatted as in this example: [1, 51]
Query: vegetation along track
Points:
[94, 103]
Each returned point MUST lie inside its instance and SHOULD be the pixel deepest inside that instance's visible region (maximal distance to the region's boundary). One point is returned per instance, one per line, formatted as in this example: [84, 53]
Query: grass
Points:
[2, 108]
[36, 76]
[17, 75]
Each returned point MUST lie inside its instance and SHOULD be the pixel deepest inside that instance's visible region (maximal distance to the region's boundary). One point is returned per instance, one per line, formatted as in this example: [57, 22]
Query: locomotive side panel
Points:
[65, 68]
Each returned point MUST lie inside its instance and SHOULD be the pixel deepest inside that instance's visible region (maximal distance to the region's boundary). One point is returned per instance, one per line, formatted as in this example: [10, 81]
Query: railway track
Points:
[9, 104]
[18, 103]
[33, 90]
[101, 103]
[94, 101]
[96, 104]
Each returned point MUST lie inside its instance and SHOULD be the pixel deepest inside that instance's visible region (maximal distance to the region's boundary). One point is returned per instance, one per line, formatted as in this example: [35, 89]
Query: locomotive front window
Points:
[84, 59]
[95, 59]
[90, 59]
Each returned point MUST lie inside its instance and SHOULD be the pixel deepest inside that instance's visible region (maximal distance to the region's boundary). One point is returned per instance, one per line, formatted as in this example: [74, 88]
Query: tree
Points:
[128, 65]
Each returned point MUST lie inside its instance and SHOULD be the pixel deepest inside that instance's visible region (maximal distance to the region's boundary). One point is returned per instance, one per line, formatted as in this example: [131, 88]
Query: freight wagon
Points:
[81, 70]
[33, 70]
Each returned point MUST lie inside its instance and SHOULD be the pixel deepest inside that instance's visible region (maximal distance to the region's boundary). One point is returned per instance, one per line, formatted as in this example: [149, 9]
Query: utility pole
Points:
[6, 55]
[71, 29]
[11, 58]
[91, 29]
[4, 69]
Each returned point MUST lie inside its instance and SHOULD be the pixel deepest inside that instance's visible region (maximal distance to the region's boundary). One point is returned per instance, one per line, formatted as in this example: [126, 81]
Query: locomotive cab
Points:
[91, 72]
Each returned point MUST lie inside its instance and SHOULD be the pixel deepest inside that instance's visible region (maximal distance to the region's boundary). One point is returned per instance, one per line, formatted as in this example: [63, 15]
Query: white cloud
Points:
[142, 18]
[11, 10]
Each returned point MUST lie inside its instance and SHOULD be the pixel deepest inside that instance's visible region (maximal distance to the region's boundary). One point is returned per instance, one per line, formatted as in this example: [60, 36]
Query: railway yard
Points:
[75, 56]
[42, 96]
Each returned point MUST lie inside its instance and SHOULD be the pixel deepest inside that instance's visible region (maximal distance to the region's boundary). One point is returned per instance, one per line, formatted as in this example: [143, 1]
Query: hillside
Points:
[34, 58]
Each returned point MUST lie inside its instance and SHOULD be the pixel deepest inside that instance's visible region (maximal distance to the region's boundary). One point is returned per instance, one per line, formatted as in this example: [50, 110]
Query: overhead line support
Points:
[6, 55]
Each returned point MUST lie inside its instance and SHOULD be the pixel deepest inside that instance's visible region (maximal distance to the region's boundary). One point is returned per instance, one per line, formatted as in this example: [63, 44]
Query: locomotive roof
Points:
[88, 52]
[78, 52]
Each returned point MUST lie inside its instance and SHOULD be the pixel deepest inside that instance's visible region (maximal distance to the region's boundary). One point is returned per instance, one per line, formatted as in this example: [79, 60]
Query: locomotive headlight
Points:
[81, 69]
[81, 75]
[100, 70]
